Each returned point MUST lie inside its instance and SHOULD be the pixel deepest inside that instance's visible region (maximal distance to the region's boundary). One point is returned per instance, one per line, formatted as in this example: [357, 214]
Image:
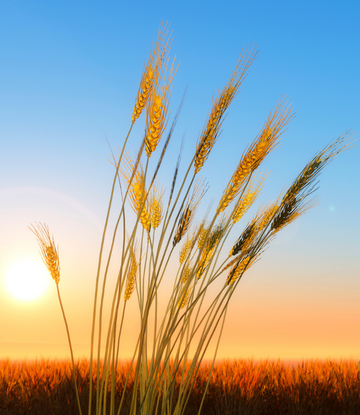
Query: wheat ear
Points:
[157, 108]
[156, 206]
[48, 250]
[137, 191]
[293, 203]
[150, 73]
[211, 130]
[188, 212]
[265, 142]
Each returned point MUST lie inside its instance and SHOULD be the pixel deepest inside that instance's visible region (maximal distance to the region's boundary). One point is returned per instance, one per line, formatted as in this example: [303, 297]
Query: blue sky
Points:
[68, 80]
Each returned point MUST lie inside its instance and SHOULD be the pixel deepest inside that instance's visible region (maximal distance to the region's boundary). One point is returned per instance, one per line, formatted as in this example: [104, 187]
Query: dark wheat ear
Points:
[295, 203]
[176, 173]
[188, 213]
[310, 172]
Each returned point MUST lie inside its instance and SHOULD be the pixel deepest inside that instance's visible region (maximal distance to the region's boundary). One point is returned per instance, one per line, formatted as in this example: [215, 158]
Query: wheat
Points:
[51, 259]
[150, 74]
[210, 246]
[188, 313]
[265, 142]
[202, 235]
[188, 213]
[131, 278]
[211, 130]
[184, 297]
[157, 109]
[137, 191]
[237, 271]
[48, 250]
[185, 273]
[185, 250]
[156, 207]
[247, 199]
[245, 238]
[309, 173]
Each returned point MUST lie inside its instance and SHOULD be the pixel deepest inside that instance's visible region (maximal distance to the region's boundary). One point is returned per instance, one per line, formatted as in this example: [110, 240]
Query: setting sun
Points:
[26, 279]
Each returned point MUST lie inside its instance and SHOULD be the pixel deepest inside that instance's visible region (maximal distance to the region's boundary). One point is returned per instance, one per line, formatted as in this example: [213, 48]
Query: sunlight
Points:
[26, 279]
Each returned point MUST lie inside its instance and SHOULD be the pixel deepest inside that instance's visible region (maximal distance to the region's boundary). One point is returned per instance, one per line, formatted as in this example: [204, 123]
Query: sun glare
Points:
[26, 279]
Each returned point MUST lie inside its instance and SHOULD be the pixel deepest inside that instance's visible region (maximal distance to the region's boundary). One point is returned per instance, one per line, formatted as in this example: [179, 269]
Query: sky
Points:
[69, 75]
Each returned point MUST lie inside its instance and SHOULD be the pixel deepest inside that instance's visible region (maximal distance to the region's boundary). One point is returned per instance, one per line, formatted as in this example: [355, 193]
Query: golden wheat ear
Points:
[48, 250]
[212, 127]
[131, 278]
[263, 144]
[150, 73]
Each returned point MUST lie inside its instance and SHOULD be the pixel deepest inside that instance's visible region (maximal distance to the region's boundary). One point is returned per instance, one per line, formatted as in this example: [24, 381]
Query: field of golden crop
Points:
[237, 387]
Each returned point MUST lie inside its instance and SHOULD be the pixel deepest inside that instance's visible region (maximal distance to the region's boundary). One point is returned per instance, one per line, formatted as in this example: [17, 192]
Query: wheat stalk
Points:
[51, 259]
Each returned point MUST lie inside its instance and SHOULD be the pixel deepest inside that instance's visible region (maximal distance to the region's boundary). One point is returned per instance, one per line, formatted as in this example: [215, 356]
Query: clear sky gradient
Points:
[69, 76]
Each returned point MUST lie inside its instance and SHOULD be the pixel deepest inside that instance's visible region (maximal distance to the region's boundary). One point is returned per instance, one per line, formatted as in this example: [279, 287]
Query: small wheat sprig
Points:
[48, 250]
[51, 259]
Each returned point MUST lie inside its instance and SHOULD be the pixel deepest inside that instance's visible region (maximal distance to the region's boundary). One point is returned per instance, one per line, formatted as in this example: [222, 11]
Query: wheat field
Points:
[236, 387]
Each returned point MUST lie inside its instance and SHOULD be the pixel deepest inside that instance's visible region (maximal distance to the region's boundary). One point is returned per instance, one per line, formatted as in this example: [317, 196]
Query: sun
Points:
[26, 279]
